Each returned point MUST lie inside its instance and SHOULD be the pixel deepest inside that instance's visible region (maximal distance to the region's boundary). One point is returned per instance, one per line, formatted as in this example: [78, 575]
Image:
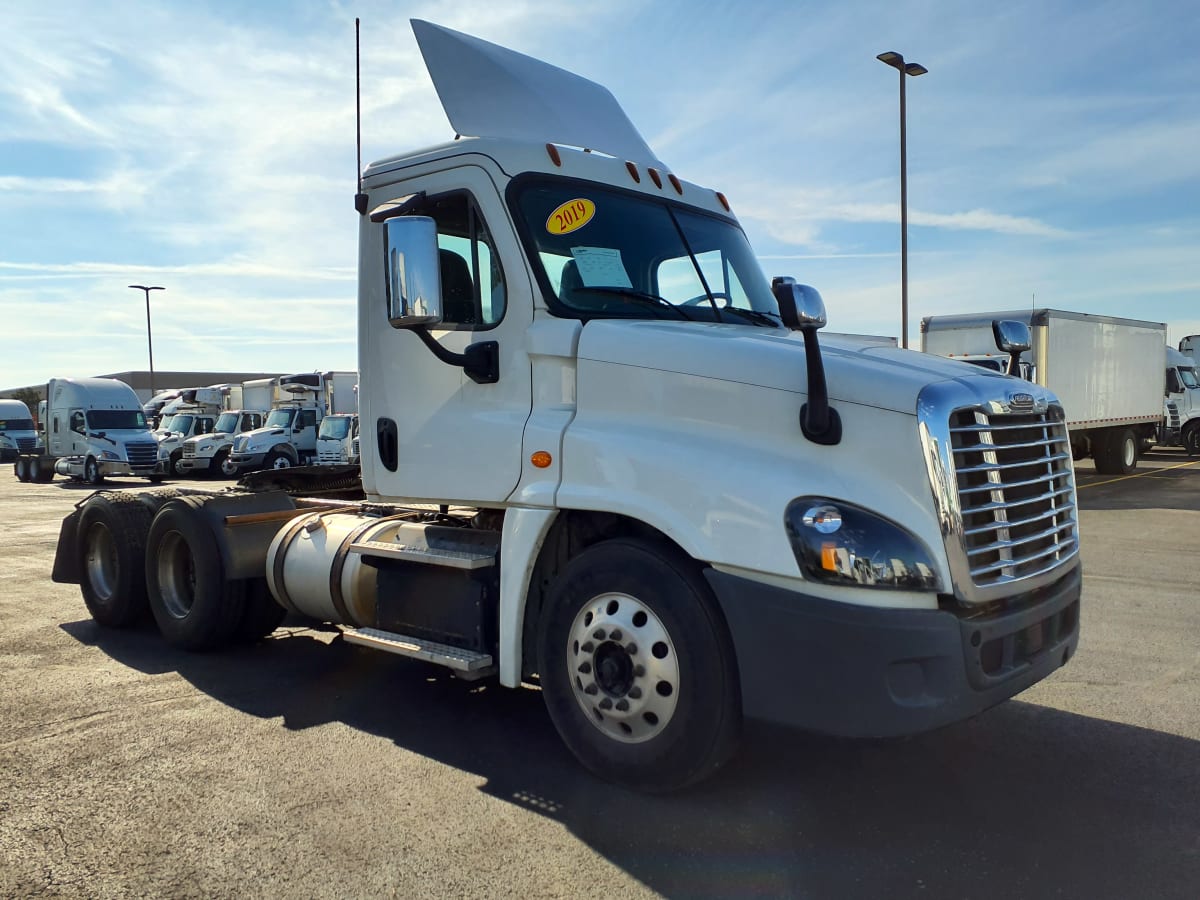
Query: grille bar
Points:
[1013, 523]
[999, 467]
[1040, 498]
[1027, 539]
[1032, 557]
[1044, 443]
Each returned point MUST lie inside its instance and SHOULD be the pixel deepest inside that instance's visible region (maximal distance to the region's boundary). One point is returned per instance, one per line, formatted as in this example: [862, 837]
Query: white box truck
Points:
[1107, 372]
[95, 428]
[289, 436]
[603, 453]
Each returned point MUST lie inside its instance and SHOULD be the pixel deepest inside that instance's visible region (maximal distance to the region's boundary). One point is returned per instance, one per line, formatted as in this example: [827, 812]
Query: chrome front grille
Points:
[1173, 416]
[1016, 493]
[142, 454]
[189, 449]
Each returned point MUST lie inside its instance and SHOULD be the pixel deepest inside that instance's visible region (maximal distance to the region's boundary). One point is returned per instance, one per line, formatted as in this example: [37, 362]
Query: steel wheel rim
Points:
[176, 575]
[101, 561]
[281, 462]
[1129, 451]
[623, 669]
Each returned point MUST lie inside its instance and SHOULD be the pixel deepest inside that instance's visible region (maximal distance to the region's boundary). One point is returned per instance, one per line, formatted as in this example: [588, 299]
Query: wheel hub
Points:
[623, 668]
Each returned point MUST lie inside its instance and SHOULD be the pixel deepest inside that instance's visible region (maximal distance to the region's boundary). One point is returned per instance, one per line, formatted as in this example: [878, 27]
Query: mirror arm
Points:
[819, 421]
[481, 360]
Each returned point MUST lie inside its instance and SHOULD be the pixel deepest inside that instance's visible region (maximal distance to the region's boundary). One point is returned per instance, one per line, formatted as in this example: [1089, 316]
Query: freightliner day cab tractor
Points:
[603, 454]
[94, 428]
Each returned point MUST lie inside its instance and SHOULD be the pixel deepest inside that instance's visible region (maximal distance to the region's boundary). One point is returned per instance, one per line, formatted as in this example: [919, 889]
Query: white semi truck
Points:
[17, 432]
[1181, 423]
[1106, 372]
[95, 428]
[603, 454]
[289, 436]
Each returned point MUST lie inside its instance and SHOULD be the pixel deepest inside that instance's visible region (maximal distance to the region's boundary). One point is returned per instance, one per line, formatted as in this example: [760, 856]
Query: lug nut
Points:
[623, 705]
[631, 648]
[587, 647]
[585, 668]
[635, 692]
[616, 635]
[590, 690]
[599, 634]
[606, 703]
[639, 671]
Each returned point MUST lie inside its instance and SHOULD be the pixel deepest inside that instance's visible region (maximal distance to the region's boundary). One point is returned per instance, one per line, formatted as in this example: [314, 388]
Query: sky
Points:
[209, 147]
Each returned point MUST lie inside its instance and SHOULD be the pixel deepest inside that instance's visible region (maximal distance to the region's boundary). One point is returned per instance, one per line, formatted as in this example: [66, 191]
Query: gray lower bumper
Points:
[865, 672]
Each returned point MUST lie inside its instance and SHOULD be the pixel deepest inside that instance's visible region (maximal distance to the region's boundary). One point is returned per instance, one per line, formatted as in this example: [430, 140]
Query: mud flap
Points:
[66, 554]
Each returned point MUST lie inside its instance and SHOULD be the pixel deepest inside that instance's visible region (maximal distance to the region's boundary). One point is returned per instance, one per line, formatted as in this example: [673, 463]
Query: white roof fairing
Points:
[491, 91]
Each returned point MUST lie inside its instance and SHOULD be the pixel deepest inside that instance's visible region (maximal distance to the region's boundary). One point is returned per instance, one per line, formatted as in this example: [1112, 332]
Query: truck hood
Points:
[862, 372]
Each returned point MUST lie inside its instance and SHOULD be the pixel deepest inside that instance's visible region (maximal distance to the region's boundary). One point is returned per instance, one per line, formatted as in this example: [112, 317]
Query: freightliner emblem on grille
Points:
[1020, 400]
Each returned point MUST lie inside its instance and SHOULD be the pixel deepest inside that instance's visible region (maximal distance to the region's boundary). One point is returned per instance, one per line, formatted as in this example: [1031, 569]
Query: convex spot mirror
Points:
[411, 272]
[800, 306]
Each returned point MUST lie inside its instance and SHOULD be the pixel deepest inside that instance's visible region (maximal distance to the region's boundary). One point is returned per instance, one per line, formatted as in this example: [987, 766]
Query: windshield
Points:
[334, 427]
[281, 418]
[16, 424]
[1188, 377]
[164, 424]
[604, 253]
[114, 419]
[181, 423]
[226, 423]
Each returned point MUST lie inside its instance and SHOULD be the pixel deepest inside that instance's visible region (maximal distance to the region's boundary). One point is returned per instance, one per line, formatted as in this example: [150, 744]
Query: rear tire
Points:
[21, 469]
[637, 669]
[193, 604]
[1191, 440]
[1117, 453]
[112, 553]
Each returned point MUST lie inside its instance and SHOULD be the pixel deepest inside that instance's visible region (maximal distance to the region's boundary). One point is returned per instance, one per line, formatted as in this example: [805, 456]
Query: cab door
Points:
[429, 431]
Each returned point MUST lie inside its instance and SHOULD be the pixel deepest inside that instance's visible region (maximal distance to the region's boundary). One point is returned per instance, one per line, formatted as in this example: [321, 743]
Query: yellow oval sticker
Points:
[571, 216]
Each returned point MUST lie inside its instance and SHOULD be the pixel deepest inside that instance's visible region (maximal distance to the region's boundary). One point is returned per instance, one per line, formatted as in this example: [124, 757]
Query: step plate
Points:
[467, 662]
[453, 559]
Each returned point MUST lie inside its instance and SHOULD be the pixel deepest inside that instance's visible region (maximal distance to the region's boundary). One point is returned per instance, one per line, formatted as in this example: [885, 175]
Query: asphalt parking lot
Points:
[306, 767]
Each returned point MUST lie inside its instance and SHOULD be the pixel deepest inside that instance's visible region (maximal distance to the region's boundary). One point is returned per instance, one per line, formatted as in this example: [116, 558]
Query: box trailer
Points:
[1107, 372]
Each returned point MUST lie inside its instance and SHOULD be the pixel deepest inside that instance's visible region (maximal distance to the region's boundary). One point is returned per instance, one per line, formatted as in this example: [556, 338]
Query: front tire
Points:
[173, 464]
[91, 472]
[112, 552]
[277, 460]
[637, 668]
[221, 466]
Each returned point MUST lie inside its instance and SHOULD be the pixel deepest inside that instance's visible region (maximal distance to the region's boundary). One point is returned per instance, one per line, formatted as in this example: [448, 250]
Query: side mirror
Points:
[412, 272]
[1012, 337]
[800, 306]
[803, 310]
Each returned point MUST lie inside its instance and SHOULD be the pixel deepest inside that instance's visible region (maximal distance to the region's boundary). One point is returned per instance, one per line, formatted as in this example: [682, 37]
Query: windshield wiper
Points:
[642, 296]
[754, 315]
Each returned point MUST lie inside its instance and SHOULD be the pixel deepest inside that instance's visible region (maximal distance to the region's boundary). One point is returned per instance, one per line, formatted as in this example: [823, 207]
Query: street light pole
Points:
[896, 61]
[149, 341]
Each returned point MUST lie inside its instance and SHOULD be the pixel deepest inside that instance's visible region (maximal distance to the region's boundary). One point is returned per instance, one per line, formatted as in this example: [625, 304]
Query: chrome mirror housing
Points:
[800, 305]
[412, 273]
[1011, 336]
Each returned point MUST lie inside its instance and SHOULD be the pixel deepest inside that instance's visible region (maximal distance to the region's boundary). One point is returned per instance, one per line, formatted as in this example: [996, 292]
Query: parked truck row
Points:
[604, 454]
[96, 428]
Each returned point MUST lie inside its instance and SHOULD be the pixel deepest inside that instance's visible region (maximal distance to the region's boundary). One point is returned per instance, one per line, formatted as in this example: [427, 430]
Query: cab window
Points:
[473, 289]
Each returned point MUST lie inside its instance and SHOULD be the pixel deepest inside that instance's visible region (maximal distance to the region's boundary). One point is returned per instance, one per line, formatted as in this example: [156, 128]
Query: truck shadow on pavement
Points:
[1164, 480]
[1023, 801]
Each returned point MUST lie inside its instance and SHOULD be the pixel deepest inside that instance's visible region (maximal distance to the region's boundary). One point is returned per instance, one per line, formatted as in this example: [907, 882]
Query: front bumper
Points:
[247, 460]
[116, 467]
[859, 671]
[194, 463]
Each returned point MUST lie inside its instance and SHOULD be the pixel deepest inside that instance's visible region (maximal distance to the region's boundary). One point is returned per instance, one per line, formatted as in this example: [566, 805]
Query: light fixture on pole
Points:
[149, 341]
[896, 61]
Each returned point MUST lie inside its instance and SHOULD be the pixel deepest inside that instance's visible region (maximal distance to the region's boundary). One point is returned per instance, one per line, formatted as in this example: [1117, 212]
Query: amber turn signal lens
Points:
[541, 459]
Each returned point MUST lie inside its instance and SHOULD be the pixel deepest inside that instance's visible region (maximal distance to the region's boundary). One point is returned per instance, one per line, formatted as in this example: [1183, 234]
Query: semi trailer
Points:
[602, 453]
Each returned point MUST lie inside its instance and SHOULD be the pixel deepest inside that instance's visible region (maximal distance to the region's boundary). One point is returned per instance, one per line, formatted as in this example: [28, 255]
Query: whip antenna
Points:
[360, 199]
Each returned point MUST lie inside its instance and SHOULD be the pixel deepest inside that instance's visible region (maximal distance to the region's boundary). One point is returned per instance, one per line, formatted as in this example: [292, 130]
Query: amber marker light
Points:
[655, 177]
[724, 202]
[633, 172]
[541, 459]
[675, 183]
[553, 152]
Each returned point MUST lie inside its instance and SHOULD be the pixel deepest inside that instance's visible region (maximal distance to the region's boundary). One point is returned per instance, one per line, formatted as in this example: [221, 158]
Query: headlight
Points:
[840, 543]
[5, 441]
[109, 454]
[239, 445]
